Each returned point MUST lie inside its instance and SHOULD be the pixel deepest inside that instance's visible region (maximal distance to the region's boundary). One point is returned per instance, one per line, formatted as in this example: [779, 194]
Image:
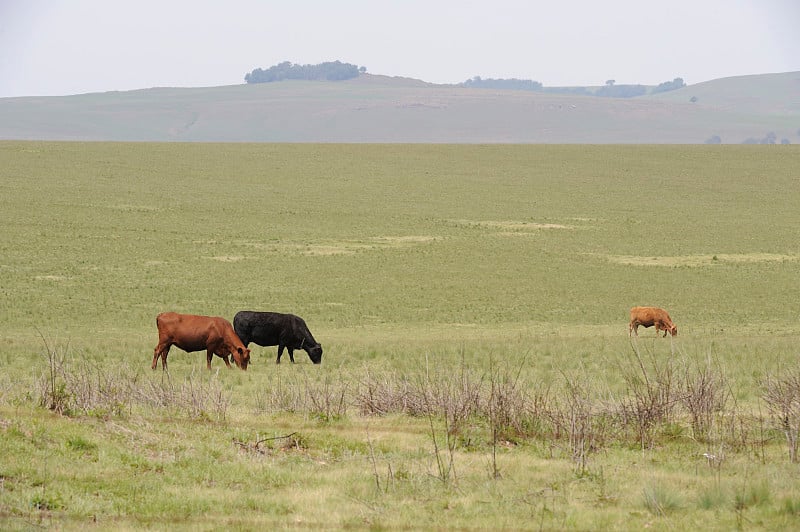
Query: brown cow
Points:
[649, 316]
[196, 333]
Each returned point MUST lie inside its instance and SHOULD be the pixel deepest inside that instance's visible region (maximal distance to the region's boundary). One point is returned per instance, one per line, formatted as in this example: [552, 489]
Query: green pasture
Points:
[411, 264]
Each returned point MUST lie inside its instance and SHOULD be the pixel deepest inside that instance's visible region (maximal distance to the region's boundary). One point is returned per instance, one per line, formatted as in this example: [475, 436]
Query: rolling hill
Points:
[384, 109]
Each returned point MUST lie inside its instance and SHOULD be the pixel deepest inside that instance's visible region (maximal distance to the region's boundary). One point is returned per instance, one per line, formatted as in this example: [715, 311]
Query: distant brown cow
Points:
[649, 316]
[196, 333]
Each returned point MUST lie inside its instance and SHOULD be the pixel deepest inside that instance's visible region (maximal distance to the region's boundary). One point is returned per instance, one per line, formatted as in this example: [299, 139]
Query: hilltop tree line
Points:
[769, 138]
[328, 71]
[609, 90]
[338, 71]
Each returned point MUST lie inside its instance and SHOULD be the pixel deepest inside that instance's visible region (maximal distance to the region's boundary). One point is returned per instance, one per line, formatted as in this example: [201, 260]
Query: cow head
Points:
[315, 353]
[673, 330]
[241, 356]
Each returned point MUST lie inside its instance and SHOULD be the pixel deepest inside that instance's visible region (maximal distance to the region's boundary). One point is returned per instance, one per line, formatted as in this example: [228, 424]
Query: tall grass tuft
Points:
[661, 500]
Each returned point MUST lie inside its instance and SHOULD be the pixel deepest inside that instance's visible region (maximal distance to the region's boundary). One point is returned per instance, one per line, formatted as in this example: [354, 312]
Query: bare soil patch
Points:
[700, 260]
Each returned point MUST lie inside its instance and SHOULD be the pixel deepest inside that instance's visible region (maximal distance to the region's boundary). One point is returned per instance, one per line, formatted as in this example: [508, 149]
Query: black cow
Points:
[272, 328]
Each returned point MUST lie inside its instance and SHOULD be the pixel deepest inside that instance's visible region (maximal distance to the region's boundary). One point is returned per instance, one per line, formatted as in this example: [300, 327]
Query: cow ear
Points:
[240, 350]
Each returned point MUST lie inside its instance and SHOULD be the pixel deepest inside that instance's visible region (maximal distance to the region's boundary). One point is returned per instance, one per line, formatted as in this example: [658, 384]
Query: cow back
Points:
[273, 328]
[187, 331]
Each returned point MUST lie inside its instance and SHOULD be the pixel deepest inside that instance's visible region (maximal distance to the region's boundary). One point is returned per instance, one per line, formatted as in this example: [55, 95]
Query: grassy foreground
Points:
[472, 303]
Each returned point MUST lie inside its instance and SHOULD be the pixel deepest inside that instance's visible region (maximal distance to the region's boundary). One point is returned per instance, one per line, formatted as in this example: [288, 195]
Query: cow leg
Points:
[209, 356]
[280, 353]
[227, 362]
[161, 350]
[291, 354]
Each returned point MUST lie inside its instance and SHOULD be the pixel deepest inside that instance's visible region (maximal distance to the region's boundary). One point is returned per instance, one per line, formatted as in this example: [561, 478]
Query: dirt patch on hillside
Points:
[506, 227]
[403, 240]
[342, 247]
[699, 260]
[349, 247]
[134, 208]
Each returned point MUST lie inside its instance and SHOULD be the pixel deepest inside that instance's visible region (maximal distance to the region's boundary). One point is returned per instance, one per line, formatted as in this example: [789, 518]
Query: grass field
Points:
[472, 304]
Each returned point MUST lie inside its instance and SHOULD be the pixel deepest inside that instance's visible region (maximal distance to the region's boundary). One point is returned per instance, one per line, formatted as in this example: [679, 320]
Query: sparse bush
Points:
[71, 388]
[651, 395]
[705, 395]
[326, 401]
[782, 395]
[281, 396]
[500, 399]
[576, 416]
[379, 395]
[52, 387]
[579, 417]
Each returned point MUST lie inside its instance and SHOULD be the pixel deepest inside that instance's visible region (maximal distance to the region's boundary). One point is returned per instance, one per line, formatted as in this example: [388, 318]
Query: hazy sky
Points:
[51, 47]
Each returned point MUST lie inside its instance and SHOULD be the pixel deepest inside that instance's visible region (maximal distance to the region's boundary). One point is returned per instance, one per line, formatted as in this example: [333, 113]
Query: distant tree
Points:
[785, 141]
[693, 99]
[329, 71]
[714, 139]
[676, 83]
[610, 82]
[362, 69]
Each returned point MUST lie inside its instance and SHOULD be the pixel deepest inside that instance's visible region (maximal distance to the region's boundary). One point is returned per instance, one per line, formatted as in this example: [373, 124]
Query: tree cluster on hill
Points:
[769, 138]
[610, 90]
[328, 71]
[676, 83]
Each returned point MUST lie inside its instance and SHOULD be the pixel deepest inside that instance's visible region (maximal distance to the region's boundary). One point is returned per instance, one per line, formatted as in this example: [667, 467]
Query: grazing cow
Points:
[649, 316]
[272, 328]
[196, 333]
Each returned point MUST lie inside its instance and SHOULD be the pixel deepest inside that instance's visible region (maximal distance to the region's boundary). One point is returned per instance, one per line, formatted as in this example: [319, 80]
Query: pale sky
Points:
[58, 47]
